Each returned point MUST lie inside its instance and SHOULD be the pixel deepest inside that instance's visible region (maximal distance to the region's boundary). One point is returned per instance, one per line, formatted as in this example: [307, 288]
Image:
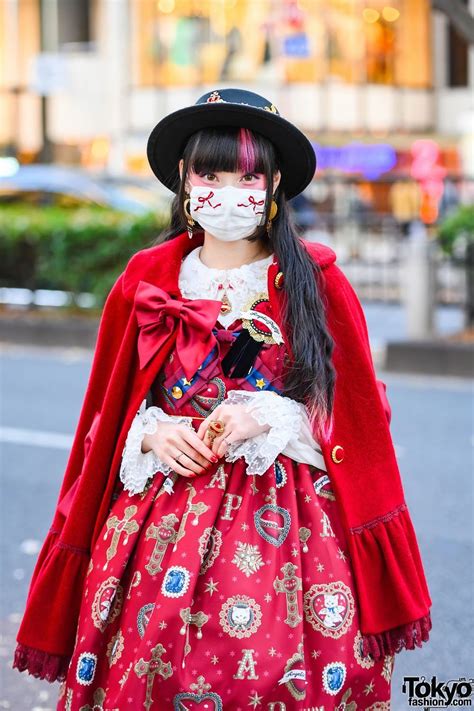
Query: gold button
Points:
[176, 392]
[279, 280]
[337, 454]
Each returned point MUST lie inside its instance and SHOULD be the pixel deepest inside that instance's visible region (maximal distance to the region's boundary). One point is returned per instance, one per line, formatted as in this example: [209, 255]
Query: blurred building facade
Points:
[382, 89]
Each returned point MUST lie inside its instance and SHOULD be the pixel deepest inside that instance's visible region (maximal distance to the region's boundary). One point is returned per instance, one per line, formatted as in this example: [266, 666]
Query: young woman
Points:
[241, 538]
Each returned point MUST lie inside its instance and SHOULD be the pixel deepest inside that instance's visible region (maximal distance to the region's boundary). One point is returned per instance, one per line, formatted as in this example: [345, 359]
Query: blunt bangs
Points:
[230, 149]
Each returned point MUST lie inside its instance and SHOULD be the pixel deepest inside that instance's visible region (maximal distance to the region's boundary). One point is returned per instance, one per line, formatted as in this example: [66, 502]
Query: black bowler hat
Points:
[232, 107]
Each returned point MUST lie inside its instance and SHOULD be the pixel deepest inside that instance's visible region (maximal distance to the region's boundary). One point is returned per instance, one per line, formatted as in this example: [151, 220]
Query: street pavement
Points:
[432, 418]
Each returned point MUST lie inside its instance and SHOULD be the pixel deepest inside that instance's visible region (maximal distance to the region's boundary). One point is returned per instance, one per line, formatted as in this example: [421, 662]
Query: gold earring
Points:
[273, 212]
[188, 217]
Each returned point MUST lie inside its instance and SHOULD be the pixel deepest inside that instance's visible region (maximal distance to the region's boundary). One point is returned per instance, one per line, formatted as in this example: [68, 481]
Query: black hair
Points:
[310, 375]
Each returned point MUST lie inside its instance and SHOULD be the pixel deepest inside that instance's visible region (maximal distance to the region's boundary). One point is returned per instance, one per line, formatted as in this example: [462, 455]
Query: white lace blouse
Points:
[290, 430]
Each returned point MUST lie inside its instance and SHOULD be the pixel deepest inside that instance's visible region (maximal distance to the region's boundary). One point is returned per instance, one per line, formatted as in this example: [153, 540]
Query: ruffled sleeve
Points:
[138, 466]
[386, 549]
[289, 432]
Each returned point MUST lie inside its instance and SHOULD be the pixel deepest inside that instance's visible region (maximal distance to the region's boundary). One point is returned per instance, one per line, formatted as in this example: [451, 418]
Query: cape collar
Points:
[161, 264]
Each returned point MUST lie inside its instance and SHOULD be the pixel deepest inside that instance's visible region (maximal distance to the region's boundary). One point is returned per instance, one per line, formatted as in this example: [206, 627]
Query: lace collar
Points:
[198, 281]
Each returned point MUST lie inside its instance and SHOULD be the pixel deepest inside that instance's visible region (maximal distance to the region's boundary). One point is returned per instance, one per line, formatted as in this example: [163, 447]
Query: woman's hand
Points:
[171, 439]
[239, 424]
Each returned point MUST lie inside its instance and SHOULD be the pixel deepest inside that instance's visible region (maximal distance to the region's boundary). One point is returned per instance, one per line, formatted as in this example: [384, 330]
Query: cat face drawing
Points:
[240, 616]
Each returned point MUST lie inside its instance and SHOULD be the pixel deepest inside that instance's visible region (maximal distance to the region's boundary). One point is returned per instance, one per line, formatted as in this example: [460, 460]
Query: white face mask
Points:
[227, 213]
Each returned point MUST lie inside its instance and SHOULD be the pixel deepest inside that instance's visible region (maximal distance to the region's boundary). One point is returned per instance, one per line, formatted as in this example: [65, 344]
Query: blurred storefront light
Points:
[8, 166]
[368, 160]
[390, 14]
[290, 40]
[370, 15]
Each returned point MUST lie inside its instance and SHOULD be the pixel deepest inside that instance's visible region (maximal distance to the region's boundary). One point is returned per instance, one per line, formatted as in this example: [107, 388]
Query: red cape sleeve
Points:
[40, 656]
[392, 592]
[361, 321]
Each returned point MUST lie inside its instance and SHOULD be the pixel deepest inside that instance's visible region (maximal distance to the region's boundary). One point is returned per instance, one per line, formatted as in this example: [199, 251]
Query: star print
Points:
[316, 653]
[341, 554]
[268, 597]
[294, 552]
[211, 586]
[215, 659]
[272, 651]
[186, 381]
[307, 498]
[163, 625]
[369, 688]
[260, 383]
[245, 526]
[255, 700]
[320, 567]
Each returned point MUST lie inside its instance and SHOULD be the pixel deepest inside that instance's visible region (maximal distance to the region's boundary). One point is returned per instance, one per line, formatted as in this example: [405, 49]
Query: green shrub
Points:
[456, 231]
[75, 250]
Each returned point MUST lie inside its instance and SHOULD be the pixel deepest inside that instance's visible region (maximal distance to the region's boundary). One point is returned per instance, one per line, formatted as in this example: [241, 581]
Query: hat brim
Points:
[167, 140]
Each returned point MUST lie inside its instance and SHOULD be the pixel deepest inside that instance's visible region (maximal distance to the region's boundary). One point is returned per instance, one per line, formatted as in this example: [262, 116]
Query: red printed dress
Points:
[232, 590]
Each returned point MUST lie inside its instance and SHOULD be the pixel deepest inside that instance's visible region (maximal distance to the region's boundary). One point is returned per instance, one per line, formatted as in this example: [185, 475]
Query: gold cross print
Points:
[119, 526]
[152, 667]
[163, 534]
[290, 584]
[196, 509]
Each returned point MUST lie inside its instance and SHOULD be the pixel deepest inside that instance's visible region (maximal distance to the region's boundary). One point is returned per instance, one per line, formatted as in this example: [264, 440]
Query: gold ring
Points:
[215, 428]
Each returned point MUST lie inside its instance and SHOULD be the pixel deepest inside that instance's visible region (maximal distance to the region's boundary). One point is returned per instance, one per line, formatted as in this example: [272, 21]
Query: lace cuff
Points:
[283, 414]
[137, 466]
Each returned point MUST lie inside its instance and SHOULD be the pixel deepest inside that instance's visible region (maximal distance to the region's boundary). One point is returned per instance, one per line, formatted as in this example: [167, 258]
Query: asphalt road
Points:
[41, 395]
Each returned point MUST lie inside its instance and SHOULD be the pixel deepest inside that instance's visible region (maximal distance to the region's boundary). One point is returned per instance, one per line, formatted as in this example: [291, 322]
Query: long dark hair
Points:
[310, 375]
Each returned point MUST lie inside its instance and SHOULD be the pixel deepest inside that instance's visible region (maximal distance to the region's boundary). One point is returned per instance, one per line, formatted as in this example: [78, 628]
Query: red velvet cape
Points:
[392, 593]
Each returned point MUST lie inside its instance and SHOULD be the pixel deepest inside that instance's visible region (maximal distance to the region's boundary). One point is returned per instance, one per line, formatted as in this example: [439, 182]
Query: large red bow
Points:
[158, 315]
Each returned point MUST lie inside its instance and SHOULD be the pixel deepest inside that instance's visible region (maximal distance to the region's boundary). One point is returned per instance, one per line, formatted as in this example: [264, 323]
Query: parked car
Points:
[44, 184]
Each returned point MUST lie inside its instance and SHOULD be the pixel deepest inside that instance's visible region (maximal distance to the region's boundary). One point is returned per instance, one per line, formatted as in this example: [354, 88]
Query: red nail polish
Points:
[214, 458]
